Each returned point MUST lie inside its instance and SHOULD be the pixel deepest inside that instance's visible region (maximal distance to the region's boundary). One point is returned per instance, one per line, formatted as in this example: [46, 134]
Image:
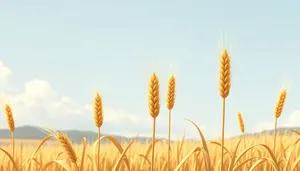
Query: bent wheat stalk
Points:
[154, 107]
[65, 142]
[224, 88]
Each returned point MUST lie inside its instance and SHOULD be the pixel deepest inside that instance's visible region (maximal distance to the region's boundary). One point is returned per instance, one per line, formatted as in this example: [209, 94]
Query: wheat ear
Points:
[278, 111]
[65, 142]
[154, 108]
[224, 88]
[170, 105]
[242, 126]
[11, 126]
[241, 122]
[98, 118]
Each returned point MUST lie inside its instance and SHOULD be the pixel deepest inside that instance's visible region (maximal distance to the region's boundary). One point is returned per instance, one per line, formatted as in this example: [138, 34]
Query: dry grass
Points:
[110, 154]
[61, 154]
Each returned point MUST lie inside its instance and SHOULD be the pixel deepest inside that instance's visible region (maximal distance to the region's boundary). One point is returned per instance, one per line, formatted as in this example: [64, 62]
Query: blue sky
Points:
[56, 55]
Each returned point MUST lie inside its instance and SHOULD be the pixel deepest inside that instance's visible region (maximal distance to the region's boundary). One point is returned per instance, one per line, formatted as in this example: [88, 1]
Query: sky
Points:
[55, 55]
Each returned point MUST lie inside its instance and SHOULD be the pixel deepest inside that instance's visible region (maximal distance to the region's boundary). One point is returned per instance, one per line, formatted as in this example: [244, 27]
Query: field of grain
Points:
[261, 153]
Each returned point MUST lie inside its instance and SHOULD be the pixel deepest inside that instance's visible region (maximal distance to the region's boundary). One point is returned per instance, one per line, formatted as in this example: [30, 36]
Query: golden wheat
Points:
[154, 99]
[242, 126]
[65, 142]
[280, 103]
[224, 89]
[98, 119]
[11, 126]
[9, 118]
[170, 105]
[241, 122]
[278, 111]
[154, 108]
[171, 93]
[188, 155]
[98, 113]
[225, 74]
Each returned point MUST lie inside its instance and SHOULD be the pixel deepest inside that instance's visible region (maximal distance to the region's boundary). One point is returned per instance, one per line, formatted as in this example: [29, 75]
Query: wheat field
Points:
[243, 153]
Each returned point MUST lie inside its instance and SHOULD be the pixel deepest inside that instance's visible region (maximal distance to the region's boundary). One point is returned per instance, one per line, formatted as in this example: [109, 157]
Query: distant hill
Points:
[35, 133]
[280, 131]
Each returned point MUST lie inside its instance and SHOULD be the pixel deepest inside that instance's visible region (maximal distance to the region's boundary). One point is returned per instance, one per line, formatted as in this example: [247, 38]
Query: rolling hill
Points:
[35, 133]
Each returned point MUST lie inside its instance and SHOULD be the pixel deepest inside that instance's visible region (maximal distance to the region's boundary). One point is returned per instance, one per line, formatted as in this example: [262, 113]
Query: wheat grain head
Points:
[241, 122]
[65, 142]
[171, 93]
[154, 101]
[280, 103]
[98, 113]
[225, 74]
[9, 118]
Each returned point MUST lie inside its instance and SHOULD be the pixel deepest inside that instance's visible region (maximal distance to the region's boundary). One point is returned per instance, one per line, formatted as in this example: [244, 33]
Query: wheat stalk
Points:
[278, 111]
[224, 89]
[11, 126]
[154, 108]
[242, 126]
[98, 119]
[170, 105]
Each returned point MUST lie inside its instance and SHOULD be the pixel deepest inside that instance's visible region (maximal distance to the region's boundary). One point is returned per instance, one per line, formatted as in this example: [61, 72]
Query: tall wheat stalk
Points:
[170, 105]
[11, 126]
[154, 108]
[224, 88]
[278, 111]
[98, 119]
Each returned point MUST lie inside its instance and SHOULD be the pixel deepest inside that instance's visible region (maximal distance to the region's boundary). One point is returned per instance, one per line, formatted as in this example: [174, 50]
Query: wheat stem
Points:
[223, 130]
[275, 128]
[98, 153]
[153, 143]
[169, 138]
[13, 143]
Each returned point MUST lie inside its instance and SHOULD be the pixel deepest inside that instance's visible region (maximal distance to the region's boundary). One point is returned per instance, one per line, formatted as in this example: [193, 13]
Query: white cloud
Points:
[5, 72]
[118, 117]
[264, 126]
[39, 104]
[291, 120]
